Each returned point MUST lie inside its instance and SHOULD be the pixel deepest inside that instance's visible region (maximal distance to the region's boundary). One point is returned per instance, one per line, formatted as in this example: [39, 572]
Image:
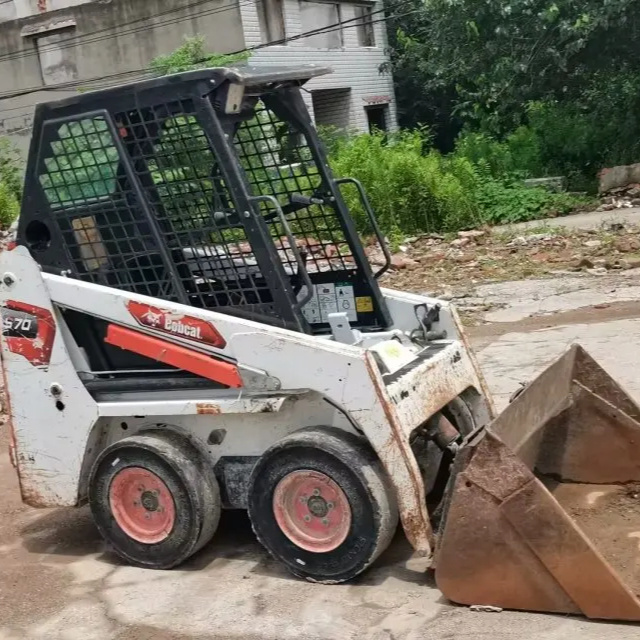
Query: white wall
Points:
[24, 8]
[95, 44]
[354, 67]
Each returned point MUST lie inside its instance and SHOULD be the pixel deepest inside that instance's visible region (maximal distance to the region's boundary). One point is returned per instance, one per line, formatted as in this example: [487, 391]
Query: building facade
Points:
[356, 95]
[53, 48]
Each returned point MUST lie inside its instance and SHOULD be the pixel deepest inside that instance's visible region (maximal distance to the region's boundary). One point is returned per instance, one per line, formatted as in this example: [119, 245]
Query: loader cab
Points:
[210, 188]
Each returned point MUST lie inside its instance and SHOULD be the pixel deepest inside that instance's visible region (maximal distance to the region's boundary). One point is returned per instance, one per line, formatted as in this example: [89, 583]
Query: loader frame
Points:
[339, 384]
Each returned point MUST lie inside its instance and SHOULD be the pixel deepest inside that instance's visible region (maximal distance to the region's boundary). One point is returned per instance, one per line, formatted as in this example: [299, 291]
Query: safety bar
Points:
[372, 219]
[302, 269]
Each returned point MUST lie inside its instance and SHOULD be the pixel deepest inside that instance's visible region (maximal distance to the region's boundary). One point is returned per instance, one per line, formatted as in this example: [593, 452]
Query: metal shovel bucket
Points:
[544, 513]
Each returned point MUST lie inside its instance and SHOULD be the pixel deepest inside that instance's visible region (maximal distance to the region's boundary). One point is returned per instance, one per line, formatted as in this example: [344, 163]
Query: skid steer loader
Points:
[190, 323]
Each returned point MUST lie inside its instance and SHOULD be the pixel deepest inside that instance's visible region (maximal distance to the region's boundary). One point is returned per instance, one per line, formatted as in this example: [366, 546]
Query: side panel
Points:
[402, 304]
[339, 372]
[51, 413]
[242, 427]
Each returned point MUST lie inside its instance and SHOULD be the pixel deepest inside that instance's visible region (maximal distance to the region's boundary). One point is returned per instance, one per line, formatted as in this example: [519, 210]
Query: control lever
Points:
[426, 317]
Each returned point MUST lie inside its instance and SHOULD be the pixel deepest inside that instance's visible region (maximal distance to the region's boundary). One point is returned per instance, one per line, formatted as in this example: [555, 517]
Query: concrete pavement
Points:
[590, 220]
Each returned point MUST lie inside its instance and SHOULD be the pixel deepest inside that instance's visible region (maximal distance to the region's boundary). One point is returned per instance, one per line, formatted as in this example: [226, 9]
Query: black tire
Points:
[347, 460]
[188, 479]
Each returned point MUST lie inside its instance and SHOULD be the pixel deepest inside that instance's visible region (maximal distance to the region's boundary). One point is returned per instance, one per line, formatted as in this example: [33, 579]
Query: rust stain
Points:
[7, 407]
[42, 6]
[207, 409]
[32, 497]
[415, 526]
[270, 406]
[484, 387]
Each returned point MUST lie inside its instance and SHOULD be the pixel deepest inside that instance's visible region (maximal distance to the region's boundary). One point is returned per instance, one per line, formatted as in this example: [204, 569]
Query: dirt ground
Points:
[608, 515]
[58, 582]
[453, 266]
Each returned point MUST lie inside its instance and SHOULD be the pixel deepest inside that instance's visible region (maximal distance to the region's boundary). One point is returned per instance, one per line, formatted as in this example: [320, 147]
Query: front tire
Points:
[319, 501]
[154, 499]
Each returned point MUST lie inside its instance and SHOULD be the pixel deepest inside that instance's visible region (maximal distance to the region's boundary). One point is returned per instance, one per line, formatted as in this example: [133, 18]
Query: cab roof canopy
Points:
[258, 79]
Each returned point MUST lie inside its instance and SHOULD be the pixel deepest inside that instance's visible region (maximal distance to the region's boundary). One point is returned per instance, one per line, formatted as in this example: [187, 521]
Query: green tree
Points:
[481, 62]
[193, 55]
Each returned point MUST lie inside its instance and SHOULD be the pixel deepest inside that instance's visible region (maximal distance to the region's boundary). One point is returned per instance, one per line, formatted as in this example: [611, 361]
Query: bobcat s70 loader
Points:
[190, 323]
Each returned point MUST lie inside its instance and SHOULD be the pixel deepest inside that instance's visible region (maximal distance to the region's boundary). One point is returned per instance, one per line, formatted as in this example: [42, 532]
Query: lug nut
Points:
[316, 492]
[307, 518]
[329, 505]
[303, 500]
[325, 521]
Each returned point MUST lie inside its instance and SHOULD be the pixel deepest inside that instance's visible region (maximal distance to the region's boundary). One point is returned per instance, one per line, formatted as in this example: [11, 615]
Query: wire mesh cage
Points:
[278, 161]
[171, 197]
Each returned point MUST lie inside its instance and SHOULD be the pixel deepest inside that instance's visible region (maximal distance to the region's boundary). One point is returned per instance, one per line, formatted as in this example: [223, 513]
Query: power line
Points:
[14, 131]
[322, 30]
[336, 26]
[22, 106]
[75, 41]
[78, 40]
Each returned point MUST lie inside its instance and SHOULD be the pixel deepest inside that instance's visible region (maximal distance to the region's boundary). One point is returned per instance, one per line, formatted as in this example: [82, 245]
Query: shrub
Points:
[413, 192]
[410, 192]
[526, 154]
[480, 148]
[503, 203]
[11, 168]
[332, 137]
[9, 205]
[10, 183]
[193, 55]
[518, 156]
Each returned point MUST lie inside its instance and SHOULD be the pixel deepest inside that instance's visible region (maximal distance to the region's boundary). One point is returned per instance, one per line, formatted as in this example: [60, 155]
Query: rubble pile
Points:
[450, 267]
[620, 198]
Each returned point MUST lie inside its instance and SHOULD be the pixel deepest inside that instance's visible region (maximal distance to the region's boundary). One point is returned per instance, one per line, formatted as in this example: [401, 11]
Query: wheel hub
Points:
[149, 501]
[142, 505]
[318, 506]
[312, 511]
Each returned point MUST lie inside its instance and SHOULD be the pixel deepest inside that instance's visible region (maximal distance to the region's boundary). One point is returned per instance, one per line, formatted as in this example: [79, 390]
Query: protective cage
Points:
[208, 188]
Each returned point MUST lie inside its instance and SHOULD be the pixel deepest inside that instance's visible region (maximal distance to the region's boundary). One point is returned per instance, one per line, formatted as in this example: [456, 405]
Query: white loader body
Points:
[278, 381]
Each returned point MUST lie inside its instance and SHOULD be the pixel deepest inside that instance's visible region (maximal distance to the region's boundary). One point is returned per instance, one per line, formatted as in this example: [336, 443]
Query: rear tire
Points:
[154, 499]
[319, 501]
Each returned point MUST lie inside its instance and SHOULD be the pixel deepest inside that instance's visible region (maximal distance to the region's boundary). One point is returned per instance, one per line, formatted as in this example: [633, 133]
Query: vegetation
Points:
[10, 183]
[489, 93]
[193, 55]
[414, 191]
[412, 186]
[561, 75]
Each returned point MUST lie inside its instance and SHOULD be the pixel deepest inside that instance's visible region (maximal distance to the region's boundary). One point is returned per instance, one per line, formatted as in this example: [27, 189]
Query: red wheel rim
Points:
[142, 505]
[312, 511]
